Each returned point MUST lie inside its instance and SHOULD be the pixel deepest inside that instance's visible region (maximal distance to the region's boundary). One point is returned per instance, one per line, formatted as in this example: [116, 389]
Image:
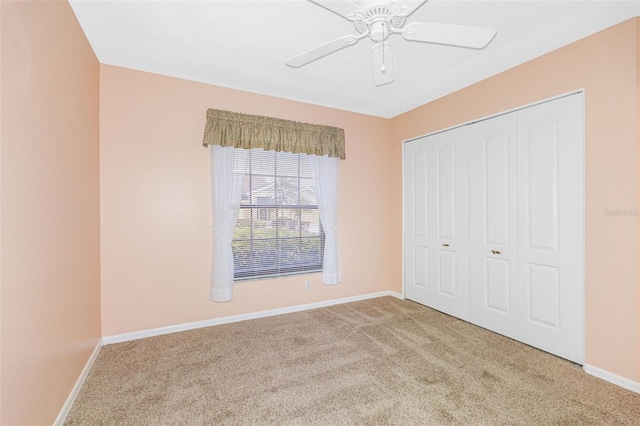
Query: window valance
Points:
[226, 128]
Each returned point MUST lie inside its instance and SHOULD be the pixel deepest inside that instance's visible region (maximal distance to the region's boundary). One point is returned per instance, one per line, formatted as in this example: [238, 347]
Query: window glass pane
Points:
[308, 192]
[246, 190]
[263, 162]
[287, 164]
[310, 223]
[305, 169]
[262, 190]
[287, 191]
[279, 230]
[241, 255]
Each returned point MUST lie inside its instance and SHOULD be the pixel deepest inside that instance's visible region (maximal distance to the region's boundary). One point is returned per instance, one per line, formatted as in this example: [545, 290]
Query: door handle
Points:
[445, 245]
[496, 251]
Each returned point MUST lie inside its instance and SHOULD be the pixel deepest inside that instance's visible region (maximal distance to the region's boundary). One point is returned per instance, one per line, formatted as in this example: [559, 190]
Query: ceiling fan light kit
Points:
[378, 20]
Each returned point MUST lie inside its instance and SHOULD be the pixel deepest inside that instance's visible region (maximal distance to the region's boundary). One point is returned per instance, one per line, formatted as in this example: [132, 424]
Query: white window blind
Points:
[278, 230]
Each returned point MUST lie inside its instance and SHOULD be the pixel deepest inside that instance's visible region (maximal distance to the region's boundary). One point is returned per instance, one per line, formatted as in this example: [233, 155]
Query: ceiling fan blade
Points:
[382, 60]
[406, 7]
[320, 51]
[455, 35]
[344, 8]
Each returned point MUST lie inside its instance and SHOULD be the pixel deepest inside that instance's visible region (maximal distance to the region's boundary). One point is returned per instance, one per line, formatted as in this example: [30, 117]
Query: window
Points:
[278, 231]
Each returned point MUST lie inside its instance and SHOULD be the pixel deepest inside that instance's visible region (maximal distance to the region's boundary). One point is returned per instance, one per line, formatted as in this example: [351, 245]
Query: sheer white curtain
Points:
[326, 173]
[226, 195]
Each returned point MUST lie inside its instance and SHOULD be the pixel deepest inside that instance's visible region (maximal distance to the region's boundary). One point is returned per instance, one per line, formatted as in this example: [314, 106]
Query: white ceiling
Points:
[244, 45]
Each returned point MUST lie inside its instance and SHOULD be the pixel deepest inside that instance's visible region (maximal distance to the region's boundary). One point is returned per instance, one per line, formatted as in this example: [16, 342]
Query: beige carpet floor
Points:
[380, 361]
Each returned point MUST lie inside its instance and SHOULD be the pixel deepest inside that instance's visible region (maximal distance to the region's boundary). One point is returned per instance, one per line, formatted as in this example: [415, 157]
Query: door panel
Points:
[446, 190]
[451, 208]
[416, 219]
[447, 273]
[542, 191]
[437, 195]
[420, 198]
[497, 187]
[543, 294]
[421, 266]
[551, 189]
[493, 230]
[498, 285]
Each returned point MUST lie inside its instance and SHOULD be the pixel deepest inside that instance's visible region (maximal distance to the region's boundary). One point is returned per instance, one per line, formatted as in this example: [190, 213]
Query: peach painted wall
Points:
[50, 209]
[638, 92]
[155, 198]
[606, 65]
[1, 214]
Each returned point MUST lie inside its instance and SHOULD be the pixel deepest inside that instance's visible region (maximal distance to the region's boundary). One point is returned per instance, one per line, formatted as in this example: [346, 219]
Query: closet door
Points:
[494, 225]
[418, 241]
[551, 226]
[437, 222]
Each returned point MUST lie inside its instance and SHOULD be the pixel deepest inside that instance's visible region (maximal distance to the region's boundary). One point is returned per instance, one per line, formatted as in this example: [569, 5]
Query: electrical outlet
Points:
[308, 285]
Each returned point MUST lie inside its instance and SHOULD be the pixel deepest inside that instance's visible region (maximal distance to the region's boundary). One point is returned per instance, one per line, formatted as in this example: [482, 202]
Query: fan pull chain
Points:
[382, 68]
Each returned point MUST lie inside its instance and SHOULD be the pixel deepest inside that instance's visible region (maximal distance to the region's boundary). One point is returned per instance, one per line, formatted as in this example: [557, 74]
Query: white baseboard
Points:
[76, 388]
[612, 378]
[119, 338]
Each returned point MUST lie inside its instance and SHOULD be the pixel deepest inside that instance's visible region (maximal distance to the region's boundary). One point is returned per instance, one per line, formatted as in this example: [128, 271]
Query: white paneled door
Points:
[436, 218]
[493, 243]
[551, 226]
[494, 224]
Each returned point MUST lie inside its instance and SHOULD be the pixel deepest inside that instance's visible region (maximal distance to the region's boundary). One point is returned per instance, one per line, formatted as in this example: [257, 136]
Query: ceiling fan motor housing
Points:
[379, 31]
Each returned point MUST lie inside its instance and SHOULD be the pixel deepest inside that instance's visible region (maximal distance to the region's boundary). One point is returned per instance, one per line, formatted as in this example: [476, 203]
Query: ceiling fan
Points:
[378, 19]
